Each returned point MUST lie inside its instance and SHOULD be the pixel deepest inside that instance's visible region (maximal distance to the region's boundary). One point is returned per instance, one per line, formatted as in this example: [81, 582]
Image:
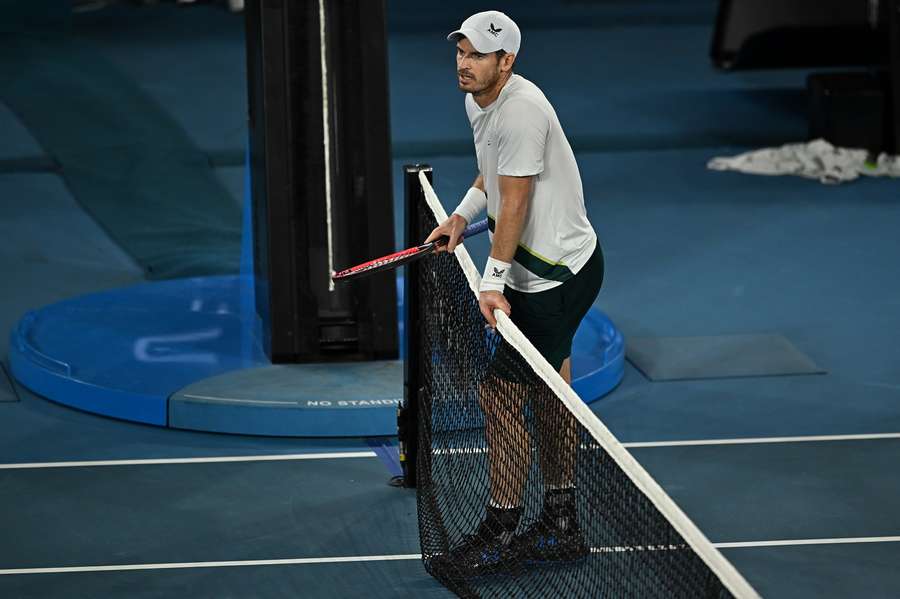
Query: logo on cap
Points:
[494, 31]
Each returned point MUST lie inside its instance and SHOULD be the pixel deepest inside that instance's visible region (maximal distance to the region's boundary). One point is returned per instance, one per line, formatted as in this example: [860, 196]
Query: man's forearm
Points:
[479, 182]
[515, 194]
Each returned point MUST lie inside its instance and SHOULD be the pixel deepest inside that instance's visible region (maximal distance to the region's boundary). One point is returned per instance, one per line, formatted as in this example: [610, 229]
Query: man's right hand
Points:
[452, 228]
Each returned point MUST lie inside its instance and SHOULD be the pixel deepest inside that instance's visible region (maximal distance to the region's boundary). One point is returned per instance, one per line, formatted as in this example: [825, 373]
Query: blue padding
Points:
[252, 329]
[178, 353]
[122, 353]
[389, 455]
[313, 399]
[598, 357]
[250, 420]
[401, 316]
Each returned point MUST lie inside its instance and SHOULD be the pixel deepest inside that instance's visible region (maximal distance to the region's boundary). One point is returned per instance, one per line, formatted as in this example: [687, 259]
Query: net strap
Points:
[730, 577]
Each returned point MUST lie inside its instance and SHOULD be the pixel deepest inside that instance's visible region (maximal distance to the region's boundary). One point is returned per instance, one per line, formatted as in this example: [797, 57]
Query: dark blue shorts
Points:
[550, 318]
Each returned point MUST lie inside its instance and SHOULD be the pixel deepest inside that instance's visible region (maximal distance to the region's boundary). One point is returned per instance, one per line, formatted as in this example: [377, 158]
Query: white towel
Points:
[815, 160]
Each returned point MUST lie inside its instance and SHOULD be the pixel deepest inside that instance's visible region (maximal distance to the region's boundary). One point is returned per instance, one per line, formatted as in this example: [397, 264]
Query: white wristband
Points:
[471, 205]
[495, 273]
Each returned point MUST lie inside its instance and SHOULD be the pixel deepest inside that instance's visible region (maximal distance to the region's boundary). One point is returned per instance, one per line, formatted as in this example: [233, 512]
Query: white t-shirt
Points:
[519, 135]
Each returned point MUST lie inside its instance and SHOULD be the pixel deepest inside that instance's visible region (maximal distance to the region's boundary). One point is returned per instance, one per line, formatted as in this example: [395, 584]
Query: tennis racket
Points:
[392, 261]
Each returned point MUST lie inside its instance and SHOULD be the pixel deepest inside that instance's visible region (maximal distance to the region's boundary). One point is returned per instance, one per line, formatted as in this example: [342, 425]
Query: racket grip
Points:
[476, 228]
[473, 229]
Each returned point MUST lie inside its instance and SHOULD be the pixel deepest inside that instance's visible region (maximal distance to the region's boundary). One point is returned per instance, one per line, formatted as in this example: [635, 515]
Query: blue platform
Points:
[181, 354]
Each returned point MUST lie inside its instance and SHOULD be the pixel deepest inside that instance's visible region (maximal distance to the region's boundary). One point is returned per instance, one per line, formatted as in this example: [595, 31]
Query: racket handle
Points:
[476, 228]
[473, 229]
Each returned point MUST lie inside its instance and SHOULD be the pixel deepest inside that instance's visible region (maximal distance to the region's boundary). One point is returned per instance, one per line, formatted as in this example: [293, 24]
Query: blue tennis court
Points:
[791, 476]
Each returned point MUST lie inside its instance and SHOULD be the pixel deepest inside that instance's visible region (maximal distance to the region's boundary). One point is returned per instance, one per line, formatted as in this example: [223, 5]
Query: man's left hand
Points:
[489, 301]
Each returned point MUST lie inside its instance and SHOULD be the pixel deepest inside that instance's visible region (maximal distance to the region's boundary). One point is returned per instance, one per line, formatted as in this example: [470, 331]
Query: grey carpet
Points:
[681, 358]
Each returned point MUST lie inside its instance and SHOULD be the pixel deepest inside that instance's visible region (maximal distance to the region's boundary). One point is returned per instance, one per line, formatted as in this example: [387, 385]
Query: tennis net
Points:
[521, 490]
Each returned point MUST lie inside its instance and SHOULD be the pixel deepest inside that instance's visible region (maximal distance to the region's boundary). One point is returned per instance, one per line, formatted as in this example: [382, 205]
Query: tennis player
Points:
[544, 271]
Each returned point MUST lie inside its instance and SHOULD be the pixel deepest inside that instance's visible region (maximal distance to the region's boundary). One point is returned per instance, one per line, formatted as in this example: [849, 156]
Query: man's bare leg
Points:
[508, 441]
[491, 546]
[555, 535]
[559, 437]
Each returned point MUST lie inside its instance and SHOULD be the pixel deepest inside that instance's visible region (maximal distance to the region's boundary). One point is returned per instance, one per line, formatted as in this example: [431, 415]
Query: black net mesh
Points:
[490, 430]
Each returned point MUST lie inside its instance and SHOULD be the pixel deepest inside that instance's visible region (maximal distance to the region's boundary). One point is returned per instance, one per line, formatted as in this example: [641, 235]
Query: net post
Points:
[408, 413]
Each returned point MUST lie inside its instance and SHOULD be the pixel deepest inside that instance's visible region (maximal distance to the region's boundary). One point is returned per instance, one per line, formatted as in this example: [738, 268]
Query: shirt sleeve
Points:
[522, 137]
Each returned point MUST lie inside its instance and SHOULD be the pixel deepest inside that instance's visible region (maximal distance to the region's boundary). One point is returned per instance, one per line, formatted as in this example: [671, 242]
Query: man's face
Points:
[475, 71]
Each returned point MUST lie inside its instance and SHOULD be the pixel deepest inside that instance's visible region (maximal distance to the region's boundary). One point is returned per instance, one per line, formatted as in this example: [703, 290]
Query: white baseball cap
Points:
[490, 31]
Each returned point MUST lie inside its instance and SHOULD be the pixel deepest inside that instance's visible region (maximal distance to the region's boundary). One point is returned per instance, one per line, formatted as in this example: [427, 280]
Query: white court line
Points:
[232, 564]
[407, 556]
[762, 440]
[702, 442]
[799, 542]
[468, 450]
[250, 458]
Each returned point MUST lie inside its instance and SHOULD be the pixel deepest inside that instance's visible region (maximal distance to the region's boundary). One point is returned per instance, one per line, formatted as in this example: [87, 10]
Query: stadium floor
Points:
[794, 477]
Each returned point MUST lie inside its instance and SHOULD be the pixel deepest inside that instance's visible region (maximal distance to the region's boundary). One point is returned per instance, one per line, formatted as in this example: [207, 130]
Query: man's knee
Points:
[501, 399]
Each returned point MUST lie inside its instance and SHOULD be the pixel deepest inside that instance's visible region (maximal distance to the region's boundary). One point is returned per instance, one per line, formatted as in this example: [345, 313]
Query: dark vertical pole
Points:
[362, 207]
[274, 214]
[408, 414]
[720, 56]
[319, 147]
[893, 95]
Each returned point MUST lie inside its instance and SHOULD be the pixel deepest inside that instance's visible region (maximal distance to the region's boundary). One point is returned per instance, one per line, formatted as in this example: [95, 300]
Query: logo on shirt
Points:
[498, 272]
[494, 31]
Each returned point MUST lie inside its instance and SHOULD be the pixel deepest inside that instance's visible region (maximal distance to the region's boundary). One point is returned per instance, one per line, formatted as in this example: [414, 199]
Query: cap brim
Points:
[480, 41]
